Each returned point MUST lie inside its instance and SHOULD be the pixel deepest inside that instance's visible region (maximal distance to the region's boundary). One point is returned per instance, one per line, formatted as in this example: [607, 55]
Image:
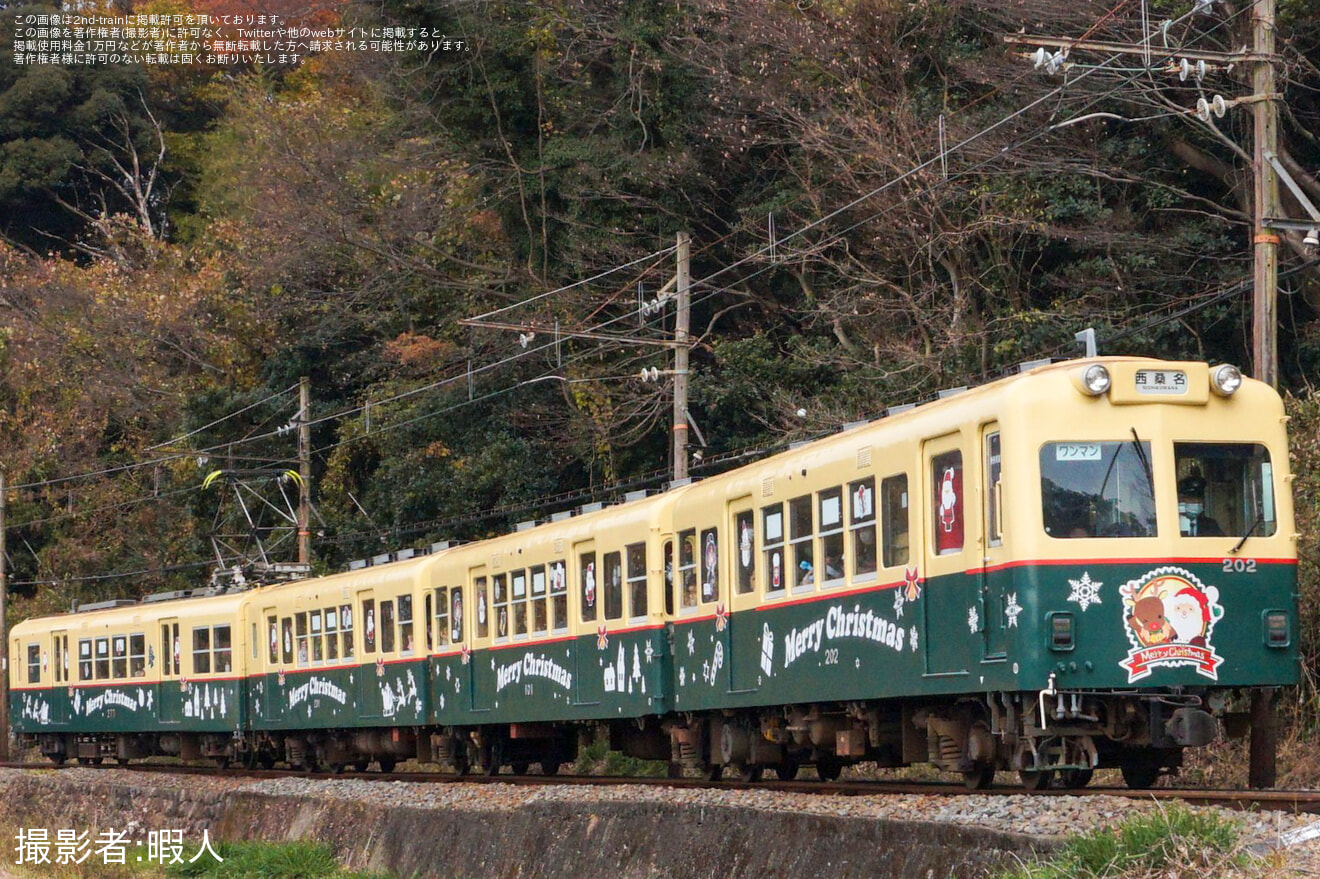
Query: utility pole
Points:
[1263, 748]
[4, 627]
[681, 323]
[305, 471]
[1265, 114]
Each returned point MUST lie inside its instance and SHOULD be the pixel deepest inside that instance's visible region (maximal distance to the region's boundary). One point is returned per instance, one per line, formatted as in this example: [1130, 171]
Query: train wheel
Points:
[713, 771]
[675, 769]
[979, 778]
[788, 770]
[518, 768]
[57, 759]
[1035, 779]
[750, 773]
[1075, 779]
[1140, 774]
[220, 763]
[361, 765]
[462, 766]
[338, 768]
[549, 767]
[266, 760]
[387, 764]
[828, 769]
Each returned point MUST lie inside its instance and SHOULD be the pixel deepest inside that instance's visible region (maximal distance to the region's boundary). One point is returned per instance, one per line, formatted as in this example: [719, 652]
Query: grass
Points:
[598, 759]
[1176, 843]
[265, 860]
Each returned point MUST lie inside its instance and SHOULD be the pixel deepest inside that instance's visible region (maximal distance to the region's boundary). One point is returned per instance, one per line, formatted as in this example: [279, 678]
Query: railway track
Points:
[1292, 801]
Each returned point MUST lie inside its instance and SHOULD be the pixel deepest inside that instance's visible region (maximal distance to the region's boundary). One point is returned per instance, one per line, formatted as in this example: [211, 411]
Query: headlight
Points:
[1095, 380]
[1225, 380]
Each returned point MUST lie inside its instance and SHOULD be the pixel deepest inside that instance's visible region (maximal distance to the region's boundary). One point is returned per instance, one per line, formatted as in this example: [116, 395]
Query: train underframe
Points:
[1043, 736]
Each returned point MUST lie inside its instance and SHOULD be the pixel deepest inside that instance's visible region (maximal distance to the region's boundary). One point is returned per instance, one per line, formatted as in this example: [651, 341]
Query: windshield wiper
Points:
[1145, 463]
[1260, 520]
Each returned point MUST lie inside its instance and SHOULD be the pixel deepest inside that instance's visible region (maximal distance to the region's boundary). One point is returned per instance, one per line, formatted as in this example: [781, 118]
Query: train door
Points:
[588, 679]
[994, 578]
[749, 661]
[170, 696]
[59, 653]
[370, 662]
[951, 603]
[271, 709]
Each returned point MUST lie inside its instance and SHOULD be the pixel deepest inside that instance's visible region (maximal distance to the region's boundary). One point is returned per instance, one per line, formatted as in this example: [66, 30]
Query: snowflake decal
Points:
[1085, 591]
[1012, 609]
[899, 601]
[912, 638]
[692, 642]
[973, 620]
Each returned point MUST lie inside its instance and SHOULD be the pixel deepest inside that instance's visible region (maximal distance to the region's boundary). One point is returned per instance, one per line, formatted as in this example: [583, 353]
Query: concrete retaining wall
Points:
[552, 840]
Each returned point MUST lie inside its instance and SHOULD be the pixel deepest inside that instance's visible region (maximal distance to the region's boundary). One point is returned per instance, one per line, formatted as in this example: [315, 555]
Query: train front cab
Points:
[1153, 564]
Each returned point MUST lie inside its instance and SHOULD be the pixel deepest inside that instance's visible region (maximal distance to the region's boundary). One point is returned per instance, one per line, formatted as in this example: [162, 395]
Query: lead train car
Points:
[1077, 566]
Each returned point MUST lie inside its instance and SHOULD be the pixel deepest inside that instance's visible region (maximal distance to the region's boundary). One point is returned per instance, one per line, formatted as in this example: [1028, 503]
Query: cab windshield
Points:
[1097, 489]
[1224, 489]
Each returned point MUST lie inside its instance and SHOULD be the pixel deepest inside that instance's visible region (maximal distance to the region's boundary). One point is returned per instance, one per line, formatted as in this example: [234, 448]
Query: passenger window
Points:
[947, 503]
[559, 597]
[300, 627]
[772, 529]
[201, 651]
[224, 652]
[318, 651]
[102, 658]
[710, 565]
[137, 656]
[346, 628]
[119, 669]
[256, 643]
[85, 657]
[369, 626]
[993, 472]
[406, 636]
[500, 602]
[745, 533]
[861, 501]
[587, 573]
[800, 537]
[56, 666]
[637, 580]
[539, 620]
[456, 615]
[428, 614]
[442, 616]
[483, 610]
[34, 664]
[830, 504]
[288, 641]
[518, 601]
[669, 577]
[687, 569]
[387, 627]
[613, 586]
[331, 634]
[894, 492]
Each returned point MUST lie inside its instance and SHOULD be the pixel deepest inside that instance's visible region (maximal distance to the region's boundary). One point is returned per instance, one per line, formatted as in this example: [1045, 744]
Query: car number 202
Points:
[1240, 566]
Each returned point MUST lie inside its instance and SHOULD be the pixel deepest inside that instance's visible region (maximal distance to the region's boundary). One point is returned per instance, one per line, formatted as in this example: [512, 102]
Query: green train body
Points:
[1062, 570]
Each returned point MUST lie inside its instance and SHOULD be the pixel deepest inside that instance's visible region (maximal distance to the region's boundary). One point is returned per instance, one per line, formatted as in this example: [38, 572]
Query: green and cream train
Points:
[1084, 564]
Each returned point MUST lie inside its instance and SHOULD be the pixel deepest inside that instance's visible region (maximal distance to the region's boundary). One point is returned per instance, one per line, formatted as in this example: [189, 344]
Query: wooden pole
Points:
[4, 628]
[1265, 242]
[681, 324]
[1262, 757]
